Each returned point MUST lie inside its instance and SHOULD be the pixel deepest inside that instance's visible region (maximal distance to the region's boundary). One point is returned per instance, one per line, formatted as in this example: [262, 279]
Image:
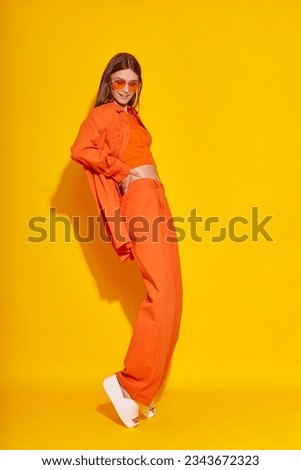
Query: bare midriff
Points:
[147, 171]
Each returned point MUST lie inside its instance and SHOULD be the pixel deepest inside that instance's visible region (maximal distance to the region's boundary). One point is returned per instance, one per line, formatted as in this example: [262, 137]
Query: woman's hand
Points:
[133, 174]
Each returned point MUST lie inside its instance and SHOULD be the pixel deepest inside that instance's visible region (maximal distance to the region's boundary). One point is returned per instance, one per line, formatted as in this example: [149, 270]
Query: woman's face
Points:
[125, 82]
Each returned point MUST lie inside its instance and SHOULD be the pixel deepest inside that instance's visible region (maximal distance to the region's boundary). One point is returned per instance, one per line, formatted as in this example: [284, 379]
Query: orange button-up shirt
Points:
[101, 142]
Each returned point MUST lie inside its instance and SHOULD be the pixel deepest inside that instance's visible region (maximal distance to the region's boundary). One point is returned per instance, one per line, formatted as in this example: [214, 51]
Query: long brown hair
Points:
[120, 61]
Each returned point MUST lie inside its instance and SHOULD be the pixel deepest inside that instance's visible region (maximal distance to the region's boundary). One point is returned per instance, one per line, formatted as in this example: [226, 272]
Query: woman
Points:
[113, 145]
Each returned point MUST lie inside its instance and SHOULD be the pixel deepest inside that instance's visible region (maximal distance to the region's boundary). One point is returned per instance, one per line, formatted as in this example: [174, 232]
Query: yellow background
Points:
[221, 99]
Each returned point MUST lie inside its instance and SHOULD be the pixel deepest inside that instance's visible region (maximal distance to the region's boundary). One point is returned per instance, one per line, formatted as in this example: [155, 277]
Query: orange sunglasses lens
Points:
[119, 84]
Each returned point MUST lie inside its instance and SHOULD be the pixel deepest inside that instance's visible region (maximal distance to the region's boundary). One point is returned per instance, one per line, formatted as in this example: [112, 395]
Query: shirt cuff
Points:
[121, 170]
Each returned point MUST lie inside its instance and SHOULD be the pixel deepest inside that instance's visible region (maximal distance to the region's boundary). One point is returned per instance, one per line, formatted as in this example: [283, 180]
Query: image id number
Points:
[222, 460]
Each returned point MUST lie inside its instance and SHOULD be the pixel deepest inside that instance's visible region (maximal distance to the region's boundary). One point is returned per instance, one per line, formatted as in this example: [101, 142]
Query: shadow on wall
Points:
[115, 280]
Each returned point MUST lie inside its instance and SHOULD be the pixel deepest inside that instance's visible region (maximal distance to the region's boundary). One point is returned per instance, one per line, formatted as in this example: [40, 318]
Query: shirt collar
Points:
[115, 106]
[120, 109]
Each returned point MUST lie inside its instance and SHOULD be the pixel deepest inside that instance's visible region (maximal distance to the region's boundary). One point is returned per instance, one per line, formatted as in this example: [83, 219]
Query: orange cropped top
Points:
[138, 150]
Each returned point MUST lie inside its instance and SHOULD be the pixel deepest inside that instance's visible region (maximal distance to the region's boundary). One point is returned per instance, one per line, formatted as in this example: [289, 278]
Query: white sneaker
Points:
[126, 408]
[148, 411]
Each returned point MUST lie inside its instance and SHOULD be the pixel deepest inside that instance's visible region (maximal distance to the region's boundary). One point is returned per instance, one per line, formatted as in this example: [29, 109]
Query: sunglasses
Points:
[120, 83]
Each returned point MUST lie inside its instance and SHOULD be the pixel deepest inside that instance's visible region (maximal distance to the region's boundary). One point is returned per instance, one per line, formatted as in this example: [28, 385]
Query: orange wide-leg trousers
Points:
[155, 249]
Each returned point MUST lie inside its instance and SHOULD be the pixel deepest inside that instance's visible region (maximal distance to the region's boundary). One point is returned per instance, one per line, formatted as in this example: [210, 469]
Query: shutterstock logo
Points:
[177, 228]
